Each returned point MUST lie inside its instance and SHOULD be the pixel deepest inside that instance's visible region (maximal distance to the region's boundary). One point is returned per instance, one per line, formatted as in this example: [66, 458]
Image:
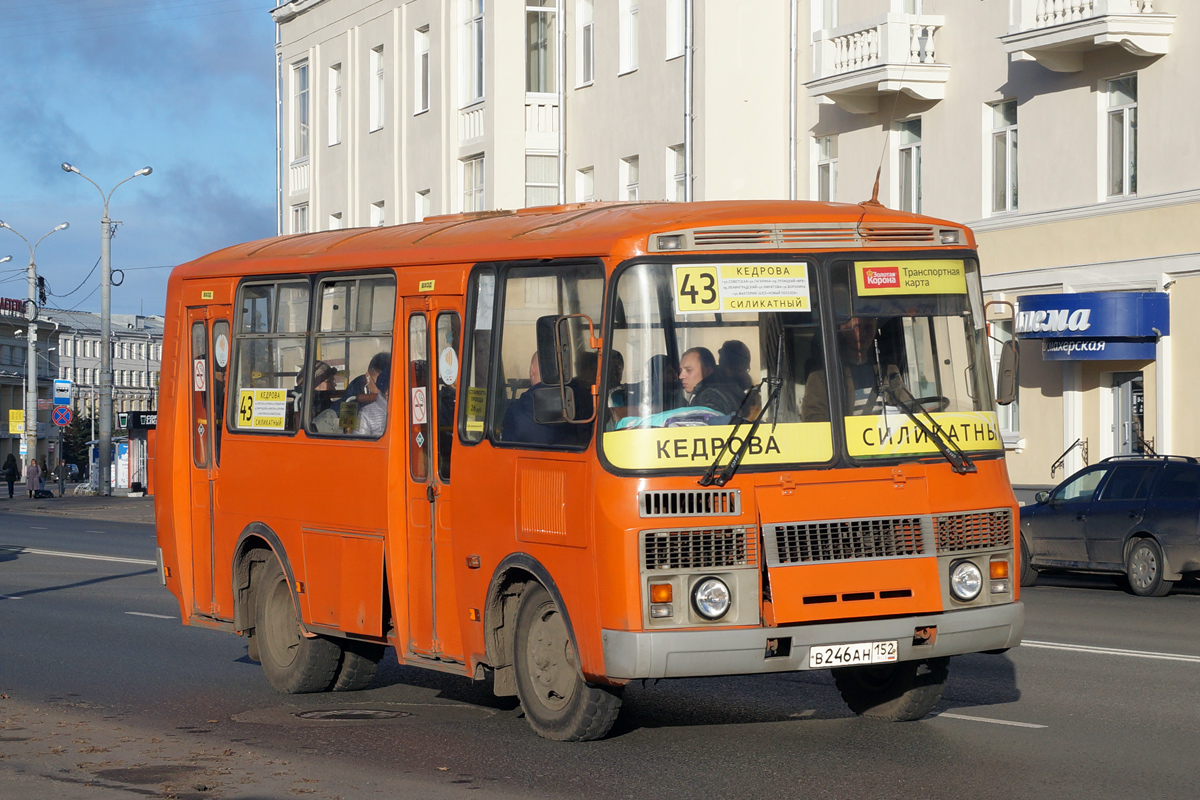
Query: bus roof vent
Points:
[731, 238]
[898, 233]
[691, 503]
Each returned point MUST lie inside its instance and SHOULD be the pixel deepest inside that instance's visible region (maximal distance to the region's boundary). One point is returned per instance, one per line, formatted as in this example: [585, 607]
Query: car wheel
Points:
[898, 692]
[557, 702]
[1144, 568]
[1028, 573]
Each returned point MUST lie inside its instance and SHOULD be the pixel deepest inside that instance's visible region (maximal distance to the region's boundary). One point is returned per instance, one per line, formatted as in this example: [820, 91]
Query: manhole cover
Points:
[352, 714]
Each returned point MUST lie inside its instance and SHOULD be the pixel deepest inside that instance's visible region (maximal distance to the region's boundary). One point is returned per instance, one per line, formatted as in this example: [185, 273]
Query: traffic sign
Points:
[62, 392]
[122, 419]
[61, 416]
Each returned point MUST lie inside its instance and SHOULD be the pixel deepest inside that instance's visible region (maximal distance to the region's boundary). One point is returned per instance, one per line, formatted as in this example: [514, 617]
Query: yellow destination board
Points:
[692, 447]
[262, 408]
[896, 434]
[724, 288]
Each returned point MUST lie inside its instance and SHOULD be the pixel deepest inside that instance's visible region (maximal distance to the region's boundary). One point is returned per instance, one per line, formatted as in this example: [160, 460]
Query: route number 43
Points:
[696, 289]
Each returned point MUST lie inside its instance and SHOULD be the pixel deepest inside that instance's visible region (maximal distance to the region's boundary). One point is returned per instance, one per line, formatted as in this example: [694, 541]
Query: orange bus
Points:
[578, 446]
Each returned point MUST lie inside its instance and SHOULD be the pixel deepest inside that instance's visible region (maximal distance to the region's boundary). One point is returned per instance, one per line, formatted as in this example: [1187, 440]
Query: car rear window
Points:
[1178, 482]
[1130, 482]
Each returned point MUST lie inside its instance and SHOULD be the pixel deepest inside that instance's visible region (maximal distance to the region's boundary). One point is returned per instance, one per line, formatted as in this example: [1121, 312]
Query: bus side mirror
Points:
[567, 357]
[551, 405]
[547, 350]
[1006, 378]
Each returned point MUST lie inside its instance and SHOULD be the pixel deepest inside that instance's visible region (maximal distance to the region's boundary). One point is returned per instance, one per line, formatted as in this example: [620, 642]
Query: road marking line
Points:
[10, 597]
[1112, 651]
[95, 531]
[18, 549]
[993, 721]
[38, 528]
[144, 614]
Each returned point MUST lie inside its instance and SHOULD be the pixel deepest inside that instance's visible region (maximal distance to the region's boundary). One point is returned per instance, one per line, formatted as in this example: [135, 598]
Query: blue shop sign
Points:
[1098, 349]
[1093, 315]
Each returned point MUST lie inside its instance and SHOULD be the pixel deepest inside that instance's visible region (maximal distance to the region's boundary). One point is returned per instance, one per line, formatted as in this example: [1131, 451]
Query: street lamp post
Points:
[31, 335]
[106, 381]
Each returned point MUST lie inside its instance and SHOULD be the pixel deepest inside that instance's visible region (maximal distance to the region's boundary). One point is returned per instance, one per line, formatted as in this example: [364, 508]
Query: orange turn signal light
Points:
[660, 593]
[998, 570]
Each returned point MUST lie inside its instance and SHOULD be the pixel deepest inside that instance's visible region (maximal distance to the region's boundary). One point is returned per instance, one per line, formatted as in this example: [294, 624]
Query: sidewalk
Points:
[117, 508]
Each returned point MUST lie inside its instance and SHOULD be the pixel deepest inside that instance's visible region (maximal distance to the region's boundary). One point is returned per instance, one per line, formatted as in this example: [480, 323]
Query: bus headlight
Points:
[966, 581]
[711, 598]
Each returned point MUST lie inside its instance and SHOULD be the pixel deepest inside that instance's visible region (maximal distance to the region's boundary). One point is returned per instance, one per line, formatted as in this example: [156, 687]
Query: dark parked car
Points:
[1133, 515]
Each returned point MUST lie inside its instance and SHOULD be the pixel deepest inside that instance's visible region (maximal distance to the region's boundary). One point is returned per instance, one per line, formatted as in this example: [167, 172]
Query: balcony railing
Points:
[541, 122]
[1057, 33]
[470, 123]
[856, 64]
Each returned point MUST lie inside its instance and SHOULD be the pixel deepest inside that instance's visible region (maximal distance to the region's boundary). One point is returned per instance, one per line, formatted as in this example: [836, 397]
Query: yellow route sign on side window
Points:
[262, 408]
[910, 277]
[724, 288]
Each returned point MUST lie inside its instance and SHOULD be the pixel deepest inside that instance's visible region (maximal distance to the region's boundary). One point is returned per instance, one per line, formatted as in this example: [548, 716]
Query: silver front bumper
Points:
[694, 653]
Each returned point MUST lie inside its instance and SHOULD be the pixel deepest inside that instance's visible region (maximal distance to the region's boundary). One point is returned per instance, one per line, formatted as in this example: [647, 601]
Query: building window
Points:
[377, 88]
[335, 104]
[628, 43]
[1004, 156]
[472, 183]
[541, 180]
[300, 218]
[541, 55]
[377, 217]
[335, 221]
[676, 173]
[586, 37]
[827, 163]
[421, 207]
[628, 176]
[676, 28]
[300, 111]
[910, 165]
[829, 14]
[473, 50]
[421, 70]
[913, 6]
[585, 185]
[1122, 136]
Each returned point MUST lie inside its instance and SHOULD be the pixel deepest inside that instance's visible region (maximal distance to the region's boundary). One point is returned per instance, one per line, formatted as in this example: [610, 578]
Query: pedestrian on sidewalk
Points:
[11, 471]
[43, 474]
[33, 477]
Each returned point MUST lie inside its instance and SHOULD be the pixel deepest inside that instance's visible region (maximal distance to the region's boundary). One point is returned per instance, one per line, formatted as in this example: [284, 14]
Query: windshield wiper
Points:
[960, 462]
[776, 383]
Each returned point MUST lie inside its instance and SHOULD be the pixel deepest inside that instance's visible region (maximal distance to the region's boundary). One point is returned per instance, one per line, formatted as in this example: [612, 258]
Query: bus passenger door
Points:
[208, 330]
[429, 392]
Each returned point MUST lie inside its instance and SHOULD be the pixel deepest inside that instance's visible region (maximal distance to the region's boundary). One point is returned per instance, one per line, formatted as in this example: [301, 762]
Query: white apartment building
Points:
[396, 109]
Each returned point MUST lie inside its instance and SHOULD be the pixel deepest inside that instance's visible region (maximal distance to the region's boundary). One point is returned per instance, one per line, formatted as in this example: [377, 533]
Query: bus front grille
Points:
[846, 540]
[690, 503]
[975, 530]
[707, 548]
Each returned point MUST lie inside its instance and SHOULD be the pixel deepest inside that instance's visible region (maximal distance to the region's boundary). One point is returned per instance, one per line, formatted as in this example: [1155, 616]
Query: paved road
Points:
[104, 694]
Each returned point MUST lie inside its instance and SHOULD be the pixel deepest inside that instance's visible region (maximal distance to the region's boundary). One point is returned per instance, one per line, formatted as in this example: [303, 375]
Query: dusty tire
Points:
[557, 702]
[1029, 575]
[293, 663]
[898, 692]
[1144, 568]
[360, 660]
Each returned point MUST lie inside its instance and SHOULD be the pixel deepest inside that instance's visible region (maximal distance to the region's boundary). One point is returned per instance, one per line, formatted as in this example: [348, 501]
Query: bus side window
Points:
[220, 366]
[446, 350]
[269, 346]
[200, 417]
[477, 353]
[352, 359]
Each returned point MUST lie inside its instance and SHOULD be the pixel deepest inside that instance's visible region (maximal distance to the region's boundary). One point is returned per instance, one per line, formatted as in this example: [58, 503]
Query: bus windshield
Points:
[697, 349]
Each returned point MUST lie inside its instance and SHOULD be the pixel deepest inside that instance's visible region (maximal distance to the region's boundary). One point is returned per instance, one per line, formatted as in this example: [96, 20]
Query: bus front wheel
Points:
[557, 702]
[898, 692]
[293, 663]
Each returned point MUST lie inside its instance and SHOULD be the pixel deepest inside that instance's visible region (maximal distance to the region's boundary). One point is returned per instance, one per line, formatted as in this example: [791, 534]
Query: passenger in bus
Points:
[372, 419]
[519, 424]
[618, 394]
[363, 388]
[666, 392]
[325, 407]
[860, 372]
[696, 369]
[733, 367]
[323, 375]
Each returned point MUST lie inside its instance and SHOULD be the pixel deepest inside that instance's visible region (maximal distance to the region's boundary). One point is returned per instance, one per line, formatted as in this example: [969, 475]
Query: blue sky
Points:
[184, 86]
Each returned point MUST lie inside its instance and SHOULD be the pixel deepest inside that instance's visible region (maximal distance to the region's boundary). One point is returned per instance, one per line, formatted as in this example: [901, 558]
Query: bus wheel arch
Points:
[512, 578]
[254, 547]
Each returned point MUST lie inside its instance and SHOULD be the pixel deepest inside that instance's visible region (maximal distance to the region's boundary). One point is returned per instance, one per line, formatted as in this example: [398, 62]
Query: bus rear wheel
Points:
[360, 660]
[557, 702]
[898, 692]
[293, 663]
